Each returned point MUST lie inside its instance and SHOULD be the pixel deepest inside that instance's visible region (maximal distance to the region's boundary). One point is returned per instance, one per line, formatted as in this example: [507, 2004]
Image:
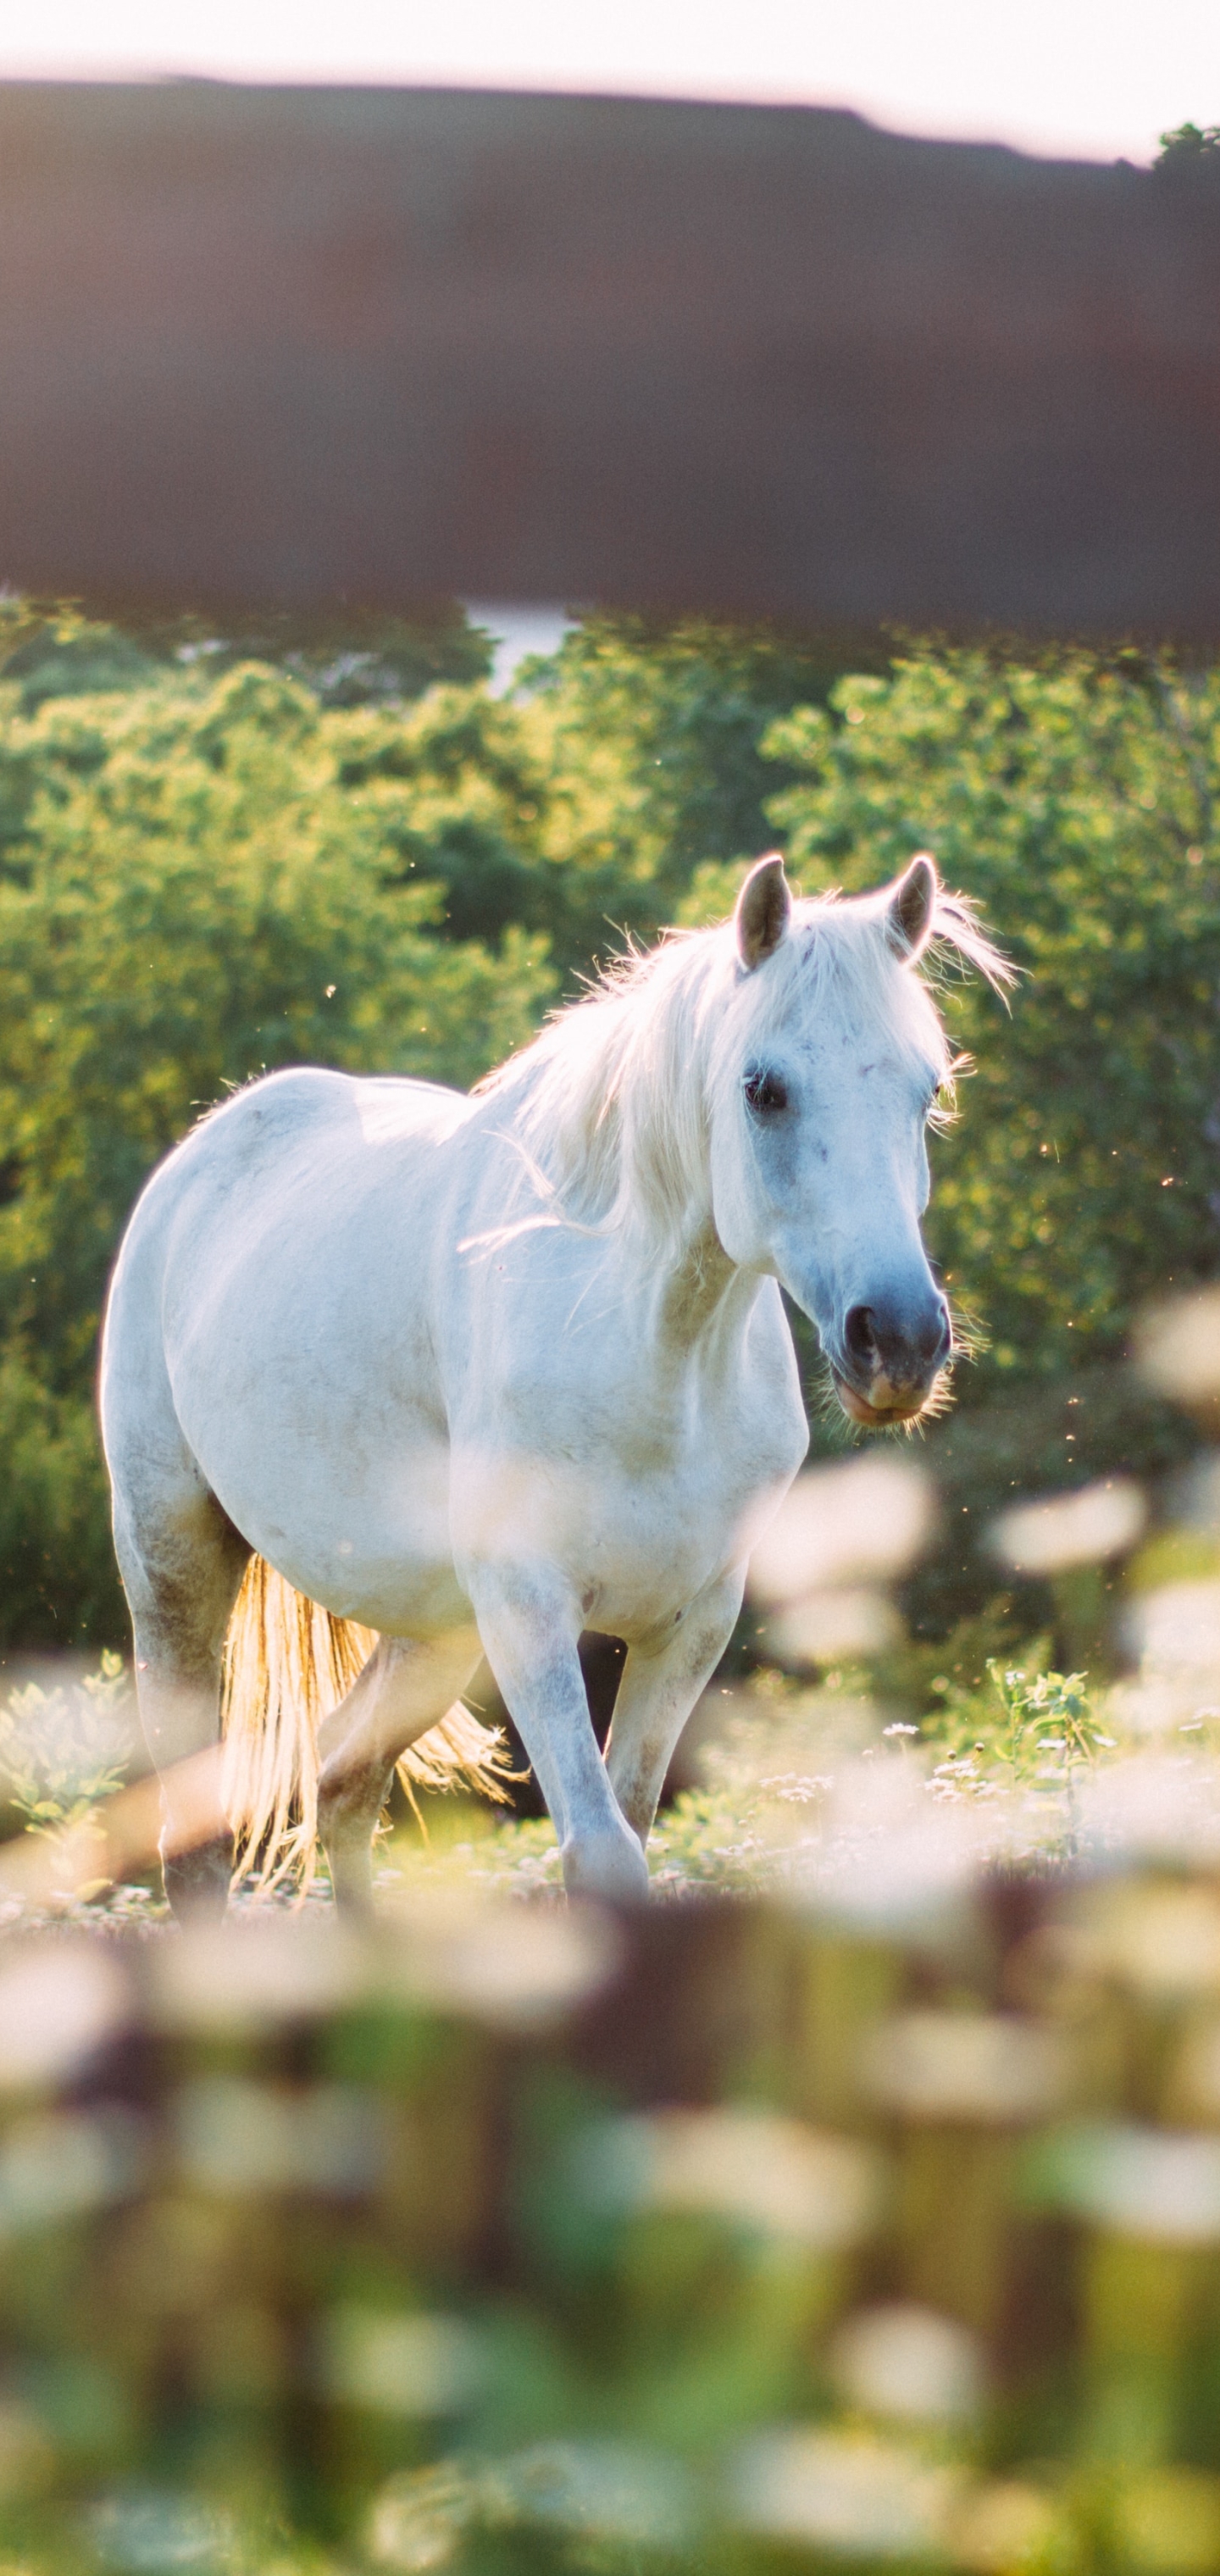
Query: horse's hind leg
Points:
[182, 1566]
[403, 1690]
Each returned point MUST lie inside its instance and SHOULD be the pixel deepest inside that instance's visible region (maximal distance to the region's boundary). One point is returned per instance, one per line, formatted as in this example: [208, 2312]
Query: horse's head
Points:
[833, 1061]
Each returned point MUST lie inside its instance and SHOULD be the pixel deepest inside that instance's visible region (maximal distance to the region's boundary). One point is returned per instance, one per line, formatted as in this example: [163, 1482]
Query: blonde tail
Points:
[287, 1663]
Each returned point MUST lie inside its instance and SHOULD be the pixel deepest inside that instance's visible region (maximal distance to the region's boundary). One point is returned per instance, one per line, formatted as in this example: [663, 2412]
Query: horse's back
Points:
[308, 1114]
[281, 1150]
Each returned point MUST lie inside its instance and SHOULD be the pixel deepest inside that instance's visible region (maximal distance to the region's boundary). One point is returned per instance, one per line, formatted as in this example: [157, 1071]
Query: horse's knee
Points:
[637, 1779]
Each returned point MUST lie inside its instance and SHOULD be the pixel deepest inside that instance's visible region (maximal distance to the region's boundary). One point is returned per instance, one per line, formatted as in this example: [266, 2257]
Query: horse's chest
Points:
[641, 1503]
[647, 1545]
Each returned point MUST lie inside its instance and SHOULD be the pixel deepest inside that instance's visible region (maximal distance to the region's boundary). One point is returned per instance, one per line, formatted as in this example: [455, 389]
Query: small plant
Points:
[65, 1749]
[1028, 1732]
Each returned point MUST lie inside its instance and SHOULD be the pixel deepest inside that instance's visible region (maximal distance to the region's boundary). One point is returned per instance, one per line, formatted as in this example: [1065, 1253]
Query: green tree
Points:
[579, 805]
[650, 738]
[456, 791]
[1185, 147]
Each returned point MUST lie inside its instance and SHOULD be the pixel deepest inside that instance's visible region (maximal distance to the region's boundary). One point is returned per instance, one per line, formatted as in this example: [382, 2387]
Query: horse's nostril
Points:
[860, 1334]
[904, 1348]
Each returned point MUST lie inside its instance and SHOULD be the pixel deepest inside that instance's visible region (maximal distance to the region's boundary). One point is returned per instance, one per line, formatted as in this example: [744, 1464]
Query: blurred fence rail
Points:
[374, 346]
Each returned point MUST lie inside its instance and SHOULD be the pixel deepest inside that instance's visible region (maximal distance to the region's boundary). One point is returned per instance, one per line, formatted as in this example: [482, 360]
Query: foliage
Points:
[651, 738]
[1186, 146]
[1023, 1434]
[580, 806]
[66, 1748]
[58, 1579]
[456, 792]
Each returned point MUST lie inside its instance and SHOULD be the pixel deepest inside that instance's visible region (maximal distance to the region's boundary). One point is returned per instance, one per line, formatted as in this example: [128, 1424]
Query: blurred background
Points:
[859, 2204]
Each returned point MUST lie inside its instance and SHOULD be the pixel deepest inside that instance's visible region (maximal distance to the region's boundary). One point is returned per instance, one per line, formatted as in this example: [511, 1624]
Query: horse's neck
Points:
[689, 1292]
[698, 1296]
[694, 1296]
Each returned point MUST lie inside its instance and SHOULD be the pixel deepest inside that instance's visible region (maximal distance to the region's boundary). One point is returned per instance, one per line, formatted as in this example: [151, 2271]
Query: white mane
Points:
[611, 1102]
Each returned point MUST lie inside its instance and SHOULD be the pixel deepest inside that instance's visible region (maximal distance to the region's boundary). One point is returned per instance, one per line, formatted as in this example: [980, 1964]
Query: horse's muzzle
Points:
[889, 1365]
[884, 1405]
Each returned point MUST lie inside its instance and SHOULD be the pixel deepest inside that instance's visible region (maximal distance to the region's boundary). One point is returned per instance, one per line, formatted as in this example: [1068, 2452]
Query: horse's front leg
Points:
[658, 1691]
[530, 1632]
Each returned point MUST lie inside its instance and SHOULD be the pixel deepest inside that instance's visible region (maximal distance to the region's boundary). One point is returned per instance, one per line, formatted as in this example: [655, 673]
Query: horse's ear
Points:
[764, 910]
[910, 913]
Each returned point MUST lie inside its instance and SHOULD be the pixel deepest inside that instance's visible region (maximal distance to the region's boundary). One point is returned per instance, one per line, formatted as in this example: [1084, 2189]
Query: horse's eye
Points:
[765, 1092]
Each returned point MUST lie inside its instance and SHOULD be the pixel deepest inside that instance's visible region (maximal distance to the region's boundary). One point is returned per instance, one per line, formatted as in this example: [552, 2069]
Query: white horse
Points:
[507, 1367]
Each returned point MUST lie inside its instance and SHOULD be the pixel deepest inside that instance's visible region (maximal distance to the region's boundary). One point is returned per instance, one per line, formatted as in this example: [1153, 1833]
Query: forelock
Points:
[837, 958]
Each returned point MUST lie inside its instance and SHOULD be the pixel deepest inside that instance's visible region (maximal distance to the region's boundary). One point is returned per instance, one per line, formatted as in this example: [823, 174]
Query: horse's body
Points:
[518, 1364]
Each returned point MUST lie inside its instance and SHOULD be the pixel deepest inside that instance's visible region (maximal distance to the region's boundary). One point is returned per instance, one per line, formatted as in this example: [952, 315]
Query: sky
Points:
[1091, 79]
[516, 632]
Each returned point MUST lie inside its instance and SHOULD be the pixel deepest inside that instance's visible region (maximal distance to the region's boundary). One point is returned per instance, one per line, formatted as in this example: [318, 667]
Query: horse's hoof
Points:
[350, 1869]
[353, 1897]
[197, 1881]
[608, 1866]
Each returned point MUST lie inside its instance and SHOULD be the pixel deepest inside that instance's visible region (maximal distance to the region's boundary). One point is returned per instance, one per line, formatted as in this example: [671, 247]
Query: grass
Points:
[794, 1782]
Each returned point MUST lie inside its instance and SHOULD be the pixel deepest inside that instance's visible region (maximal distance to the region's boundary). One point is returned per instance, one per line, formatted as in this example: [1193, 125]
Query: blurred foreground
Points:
[878, 2224]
